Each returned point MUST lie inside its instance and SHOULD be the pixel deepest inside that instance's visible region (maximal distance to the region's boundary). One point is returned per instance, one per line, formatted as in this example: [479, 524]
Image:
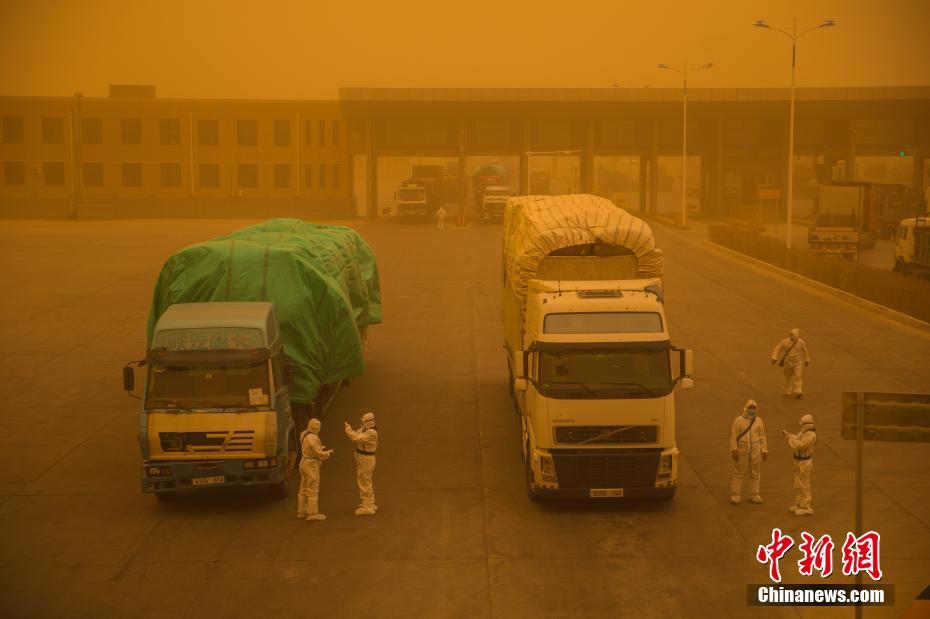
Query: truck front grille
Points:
[577, 469]
[606, 435]
[219, 441]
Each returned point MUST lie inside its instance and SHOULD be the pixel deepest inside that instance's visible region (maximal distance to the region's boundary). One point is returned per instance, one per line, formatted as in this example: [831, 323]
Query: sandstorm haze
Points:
[292, 49]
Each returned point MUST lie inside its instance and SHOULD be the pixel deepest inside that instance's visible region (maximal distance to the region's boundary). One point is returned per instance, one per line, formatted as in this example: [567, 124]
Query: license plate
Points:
[601, 493]
[208, 481]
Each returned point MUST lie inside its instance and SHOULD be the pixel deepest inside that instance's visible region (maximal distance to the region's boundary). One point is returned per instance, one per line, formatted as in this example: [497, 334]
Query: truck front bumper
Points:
[171, 476]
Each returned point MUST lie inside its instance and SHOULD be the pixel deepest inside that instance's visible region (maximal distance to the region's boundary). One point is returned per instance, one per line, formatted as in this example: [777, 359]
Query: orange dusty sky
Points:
[308, 49]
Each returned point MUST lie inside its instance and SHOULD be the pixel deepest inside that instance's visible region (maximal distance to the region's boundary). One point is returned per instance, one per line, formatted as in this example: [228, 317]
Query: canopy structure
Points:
[537, 226]
[323, 281]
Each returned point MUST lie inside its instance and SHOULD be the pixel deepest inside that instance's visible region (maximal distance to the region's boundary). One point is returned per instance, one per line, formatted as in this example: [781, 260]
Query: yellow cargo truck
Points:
[593, 370]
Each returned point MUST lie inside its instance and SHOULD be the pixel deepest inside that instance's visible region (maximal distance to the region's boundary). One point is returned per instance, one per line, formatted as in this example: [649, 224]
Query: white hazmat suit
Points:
[366, 444]
[803, 445]
[313, 453]
[748, 448]
[791, 353]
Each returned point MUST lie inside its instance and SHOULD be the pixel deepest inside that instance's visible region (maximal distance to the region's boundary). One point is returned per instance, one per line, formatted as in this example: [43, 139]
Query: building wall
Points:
[159, 152]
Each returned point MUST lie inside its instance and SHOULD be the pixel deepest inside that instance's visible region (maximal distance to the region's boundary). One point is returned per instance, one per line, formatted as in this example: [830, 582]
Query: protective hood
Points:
[794, 333]
[749, 403]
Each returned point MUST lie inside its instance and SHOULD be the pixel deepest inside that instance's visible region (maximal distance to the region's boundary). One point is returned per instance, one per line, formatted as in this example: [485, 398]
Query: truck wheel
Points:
[166, 497]
[280, 490]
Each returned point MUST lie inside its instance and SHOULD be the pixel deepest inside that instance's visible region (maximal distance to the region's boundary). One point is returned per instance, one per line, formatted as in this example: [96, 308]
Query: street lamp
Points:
[684, 72]
[794, 35]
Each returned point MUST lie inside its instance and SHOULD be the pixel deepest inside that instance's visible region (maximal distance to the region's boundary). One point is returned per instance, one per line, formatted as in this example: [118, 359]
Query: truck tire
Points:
[280, 490]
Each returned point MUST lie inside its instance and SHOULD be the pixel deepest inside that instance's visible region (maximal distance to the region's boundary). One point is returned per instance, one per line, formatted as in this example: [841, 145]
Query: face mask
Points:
[751, 412]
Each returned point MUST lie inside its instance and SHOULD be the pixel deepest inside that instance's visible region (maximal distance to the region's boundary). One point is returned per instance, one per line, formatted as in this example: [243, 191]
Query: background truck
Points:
[592, 367]
[493, 200]
[895, 201]
[413, 203]
[846, 220]
[249, 336]
[912, 245]
[487, 176]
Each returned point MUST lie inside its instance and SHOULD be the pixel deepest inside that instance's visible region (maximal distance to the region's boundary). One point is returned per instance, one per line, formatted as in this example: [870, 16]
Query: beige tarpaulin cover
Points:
[535, 226]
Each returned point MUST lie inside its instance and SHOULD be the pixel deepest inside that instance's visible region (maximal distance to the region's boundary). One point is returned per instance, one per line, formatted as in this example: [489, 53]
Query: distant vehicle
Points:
[896, 201]
[494, 199]
[540, 184]
[488, 175]
[846, 221]
[421, 205]
[912, 245]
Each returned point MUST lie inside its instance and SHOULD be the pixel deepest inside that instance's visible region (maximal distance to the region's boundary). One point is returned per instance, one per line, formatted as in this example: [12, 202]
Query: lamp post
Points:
[794, 35]
[684, 72]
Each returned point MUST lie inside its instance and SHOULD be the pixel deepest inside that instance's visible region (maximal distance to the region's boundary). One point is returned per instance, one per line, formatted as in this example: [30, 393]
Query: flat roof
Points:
[253, 315]
[579, 95]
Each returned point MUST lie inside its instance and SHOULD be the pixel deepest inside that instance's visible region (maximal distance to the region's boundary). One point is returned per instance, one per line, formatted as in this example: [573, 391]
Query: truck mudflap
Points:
[172, 476]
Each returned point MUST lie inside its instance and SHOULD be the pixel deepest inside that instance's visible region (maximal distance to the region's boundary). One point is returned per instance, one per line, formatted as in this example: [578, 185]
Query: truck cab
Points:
[912, 245]
[595, 387]
[412, 201]
[215, 406]
[494, 199]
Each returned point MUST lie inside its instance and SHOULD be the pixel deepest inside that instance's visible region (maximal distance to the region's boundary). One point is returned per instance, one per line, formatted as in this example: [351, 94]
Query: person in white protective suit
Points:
[803, 445]
[366, 444]
[441, 215]
[791, 353]
[748, 448]
[313, 453]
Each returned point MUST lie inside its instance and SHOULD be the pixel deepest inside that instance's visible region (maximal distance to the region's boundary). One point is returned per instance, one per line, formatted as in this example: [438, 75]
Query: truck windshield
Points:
[604, 373]
[238, 387]
[411, 194]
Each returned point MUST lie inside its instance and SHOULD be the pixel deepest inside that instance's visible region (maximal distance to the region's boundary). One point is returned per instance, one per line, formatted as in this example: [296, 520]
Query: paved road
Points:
[455, 535]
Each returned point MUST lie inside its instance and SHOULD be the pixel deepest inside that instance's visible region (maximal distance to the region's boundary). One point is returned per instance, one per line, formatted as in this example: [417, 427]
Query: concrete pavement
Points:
[455, 534]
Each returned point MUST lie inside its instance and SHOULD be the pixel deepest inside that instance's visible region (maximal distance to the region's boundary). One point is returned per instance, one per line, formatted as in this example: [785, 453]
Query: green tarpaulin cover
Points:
[323, 281]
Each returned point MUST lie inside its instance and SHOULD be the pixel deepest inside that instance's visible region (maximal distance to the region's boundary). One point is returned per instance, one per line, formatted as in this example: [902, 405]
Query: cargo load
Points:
[322, 280]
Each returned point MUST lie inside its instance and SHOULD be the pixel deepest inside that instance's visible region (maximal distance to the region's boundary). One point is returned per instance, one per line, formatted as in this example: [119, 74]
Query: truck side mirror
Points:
[688, 360]
[687, 382]
[129, 379]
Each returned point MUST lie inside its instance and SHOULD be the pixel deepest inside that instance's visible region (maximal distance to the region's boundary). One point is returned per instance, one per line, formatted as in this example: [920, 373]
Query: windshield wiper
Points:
[640, 385]
[570, 382]
[170, 405]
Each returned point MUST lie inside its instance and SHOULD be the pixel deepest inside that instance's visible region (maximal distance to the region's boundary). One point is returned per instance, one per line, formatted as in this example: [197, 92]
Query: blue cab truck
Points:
[216, 409]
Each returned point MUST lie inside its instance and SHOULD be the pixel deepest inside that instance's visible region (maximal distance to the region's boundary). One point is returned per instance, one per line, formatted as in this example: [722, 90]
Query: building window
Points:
[336, 176]
[308, 133]
[209, 175]
[13, 130]
[93, 174]
[171, 175]
[14, 172]
[132, 175]
[169, 130]
[92, 131]
[335, 133]
[282, 175]
[53, 172]
[53, 130]
[321, 130]
[131, 131]
[282, 133]
[247, 176]
[321, 176]
[247, 132]
[208, 130]
[308, 176]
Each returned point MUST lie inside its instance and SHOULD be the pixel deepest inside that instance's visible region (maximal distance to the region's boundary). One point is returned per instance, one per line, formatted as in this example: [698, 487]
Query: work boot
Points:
[803, 511]
[736, 500]
[313, 510]
[374, 507]
[798, 396]
[365, 511]
[755, 499]
[793, 508]
[301, 507]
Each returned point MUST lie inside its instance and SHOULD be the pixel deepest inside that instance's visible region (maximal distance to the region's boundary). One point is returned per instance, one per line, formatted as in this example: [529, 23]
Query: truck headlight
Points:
[665, 466]
[547, 469]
